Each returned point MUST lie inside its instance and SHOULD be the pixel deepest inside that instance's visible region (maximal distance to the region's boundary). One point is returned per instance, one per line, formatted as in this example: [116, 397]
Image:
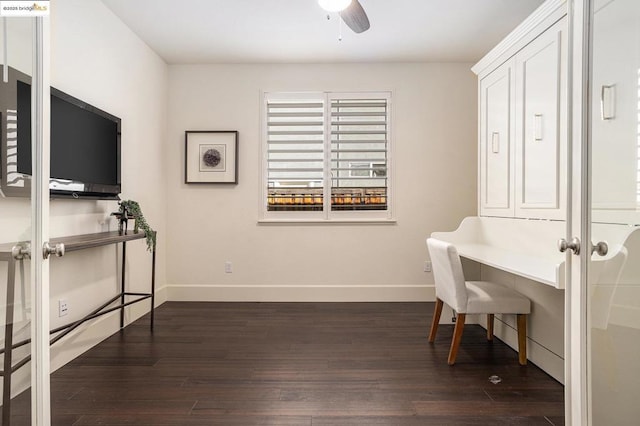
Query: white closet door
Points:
[24, 150]
[541, 132]
[613, 296]
[496, 136]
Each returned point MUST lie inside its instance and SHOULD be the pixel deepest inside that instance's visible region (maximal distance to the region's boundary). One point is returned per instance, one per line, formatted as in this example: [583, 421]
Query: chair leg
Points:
[436, 320]
[457, 336]
[490, 327]
[522, 339]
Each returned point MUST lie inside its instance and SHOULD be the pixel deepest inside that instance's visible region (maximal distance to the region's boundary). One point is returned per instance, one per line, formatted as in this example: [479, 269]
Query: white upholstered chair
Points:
[472, 297]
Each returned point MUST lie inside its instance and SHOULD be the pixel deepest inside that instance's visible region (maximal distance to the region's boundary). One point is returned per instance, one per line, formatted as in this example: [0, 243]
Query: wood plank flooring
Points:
[313, 364]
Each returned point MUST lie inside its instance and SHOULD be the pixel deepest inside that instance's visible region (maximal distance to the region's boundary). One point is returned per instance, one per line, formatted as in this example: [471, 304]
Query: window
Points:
[326, 156]
[360, 170]
[367, 170]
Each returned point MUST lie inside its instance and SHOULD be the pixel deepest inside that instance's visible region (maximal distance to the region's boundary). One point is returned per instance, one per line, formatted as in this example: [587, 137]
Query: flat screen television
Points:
[85, 144]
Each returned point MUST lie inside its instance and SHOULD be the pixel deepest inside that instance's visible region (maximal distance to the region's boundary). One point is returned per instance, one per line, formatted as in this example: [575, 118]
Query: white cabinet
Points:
[541, 131]
[523, 129]
[496, 136]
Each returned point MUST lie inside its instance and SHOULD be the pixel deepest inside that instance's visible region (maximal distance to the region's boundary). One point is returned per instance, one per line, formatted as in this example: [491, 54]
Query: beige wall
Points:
[434, 148]
[96, 58]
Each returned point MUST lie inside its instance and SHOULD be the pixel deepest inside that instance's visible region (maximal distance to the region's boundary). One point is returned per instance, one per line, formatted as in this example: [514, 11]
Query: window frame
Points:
[326, 215]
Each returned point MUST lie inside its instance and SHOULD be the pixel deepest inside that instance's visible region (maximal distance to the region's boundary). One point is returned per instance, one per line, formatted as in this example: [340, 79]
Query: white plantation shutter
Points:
[359, 154]
[327, 152]
[295, 154]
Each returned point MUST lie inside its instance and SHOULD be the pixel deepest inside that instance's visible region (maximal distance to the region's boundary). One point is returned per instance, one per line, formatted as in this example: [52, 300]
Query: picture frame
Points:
[211, 156]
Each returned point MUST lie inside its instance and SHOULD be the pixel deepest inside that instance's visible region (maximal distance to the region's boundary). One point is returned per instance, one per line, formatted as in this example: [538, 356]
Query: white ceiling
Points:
[249, 31]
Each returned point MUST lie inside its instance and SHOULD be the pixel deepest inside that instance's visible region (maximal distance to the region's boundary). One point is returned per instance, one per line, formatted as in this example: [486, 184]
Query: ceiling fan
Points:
[350, 11]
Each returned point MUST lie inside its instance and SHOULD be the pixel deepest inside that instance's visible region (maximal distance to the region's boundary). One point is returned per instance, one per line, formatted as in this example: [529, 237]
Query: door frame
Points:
[40, 111]
[577, 407]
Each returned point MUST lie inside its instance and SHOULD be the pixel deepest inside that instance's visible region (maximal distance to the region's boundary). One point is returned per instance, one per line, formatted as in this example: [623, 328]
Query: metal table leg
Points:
[153, 283]
[122, 282]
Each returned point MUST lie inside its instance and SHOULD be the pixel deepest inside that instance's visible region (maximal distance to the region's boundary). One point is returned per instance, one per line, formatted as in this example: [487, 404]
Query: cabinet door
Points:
[541, 130]
[496, 112]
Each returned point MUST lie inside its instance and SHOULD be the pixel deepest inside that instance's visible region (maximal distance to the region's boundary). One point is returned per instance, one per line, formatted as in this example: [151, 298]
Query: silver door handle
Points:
[574, 245]
[48, 249]
[601, 248]
[495, 142]
[607, 105]
[537, 127]
[21, 251]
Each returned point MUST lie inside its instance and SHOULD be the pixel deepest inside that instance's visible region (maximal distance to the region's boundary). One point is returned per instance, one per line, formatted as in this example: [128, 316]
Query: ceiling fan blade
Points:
[355, 17]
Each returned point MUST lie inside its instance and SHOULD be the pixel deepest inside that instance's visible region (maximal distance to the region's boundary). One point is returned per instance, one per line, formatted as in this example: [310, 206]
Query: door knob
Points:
[601, 248]
[48, 249]
[573, 245]
[21, 251]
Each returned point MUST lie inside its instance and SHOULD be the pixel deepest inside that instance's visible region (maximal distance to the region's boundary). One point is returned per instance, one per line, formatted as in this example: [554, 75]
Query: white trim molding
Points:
[307, 293]
[546, 15]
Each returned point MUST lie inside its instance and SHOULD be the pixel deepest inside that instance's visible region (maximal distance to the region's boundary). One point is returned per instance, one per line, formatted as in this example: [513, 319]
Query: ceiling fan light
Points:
[334, 5]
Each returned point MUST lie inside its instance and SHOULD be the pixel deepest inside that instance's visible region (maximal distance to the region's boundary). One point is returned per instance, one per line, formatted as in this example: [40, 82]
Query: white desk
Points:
[526, 265]
[528, 248]
[520, 246]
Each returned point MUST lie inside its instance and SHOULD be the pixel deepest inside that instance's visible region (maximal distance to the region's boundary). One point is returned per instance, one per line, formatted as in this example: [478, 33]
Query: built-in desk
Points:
[528, 247]
[528, 266]
[12, 253]
[523, 247]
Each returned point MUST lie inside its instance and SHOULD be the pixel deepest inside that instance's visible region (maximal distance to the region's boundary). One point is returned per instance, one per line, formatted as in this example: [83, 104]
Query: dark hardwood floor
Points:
[297, 364]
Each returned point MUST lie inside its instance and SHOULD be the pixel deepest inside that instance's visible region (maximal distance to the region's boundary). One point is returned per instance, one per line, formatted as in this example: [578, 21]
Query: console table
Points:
[11, 253]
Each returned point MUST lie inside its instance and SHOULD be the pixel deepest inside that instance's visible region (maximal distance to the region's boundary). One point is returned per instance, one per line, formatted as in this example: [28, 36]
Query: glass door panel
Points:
[613, 293]
[23, 272]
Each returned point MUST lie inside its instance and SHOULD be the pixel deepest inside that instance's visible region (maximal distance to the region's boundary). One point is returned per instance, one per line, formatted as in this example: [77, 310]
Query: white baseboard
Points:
[318, 293]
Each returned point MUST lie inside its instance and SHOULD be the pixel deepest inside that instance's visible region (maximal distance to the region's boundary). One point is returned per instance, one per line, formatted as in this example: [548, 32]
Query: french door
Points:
[24, 219]
[603, 310]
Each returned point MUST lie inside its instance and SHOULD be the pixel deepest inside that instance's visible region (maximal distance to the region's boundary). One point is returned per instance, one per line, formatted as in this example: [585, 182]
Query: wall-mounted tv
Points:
[85, 144]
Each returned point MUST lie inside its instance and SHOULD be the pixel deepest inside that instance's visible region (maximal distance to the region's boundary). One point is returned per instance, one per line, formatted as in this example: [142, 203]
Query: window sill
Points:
[355, 221]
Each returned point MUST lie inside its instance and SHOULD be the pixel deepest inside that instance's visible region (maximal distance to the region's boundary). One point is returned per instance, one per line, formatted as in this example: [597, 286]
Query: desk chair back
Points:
[448, 274]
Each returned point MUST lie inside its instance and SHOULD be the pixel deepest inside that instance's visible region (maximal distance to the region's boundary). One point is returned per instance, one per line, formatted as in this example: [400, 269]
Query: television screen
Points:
[85, 145]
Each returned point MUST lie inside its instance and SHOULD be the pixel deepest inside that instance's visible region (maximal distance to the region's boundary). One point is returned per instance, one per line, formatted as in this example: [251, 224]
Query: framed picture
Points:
[211, 156]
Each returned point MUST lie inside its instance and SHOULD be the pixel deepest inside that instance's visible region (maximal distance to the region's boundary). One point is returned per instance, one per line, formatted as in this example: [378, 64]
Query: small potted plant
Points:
[131, 209]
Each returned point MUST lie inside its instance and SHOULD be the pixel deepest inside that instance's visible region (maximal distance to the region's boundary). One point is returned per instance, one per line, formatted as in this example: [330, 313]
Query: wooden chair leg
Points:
[522, 339]
[436, 320]
[490, 327]
[457, 336]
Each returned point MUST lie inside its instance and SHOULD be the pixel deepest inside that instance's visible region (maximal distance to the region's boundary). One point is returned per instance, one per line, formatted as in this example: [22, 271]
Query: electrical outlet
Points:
[427, 266]
[63, 307]
[228, 267]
